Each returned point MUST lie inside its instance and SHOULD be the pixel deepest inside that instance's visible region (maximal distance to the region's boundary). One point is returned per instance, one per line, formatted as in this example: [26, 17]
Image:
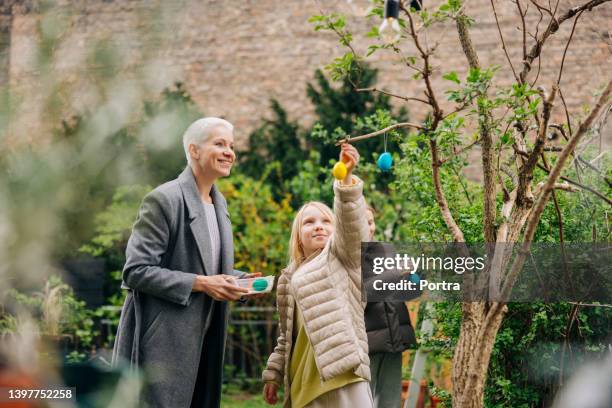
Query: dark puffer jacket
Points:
[387, 324]
[388, 327]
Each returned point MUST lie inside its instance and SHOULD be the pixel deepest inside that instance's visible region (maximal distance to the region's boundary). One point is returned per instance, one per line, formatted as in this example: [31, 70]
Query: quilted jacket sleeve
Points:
[275, 367]
[351, 226]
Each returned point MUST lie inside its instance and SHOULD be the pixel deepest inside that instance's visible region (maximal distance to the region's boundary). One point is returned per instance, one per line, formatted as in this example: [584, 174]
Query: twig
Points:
[558, 186]
[587, 188]
[582, 186]
[552, 28]
[537, 72]
[399, 52]
[457, 153]
[405, 98]
[526, 171]
[535, 37]
[567, 115]
[567, 46]
[502, 40]
[433, 101]
[565, 187]
[590, 304]
[595, 169]
[539, 7]
[379, 132]
[518, 4]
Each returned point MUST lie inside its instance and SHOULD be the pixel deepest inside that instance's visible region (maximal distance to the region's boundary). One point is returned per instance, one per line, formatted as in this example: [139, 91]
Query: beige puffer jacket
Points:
[327, 290]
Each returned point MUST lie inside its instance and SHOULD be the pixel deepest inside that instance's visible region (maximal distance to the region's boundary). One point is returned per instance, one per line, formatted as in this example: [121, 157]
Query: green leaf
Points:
[452, 76]
[372, 49]
[507, 138]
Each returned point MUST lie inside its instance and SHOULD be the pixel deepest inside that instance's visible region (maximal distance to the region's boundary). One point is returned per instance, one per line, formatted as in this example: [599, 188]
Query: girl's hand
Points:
[269, 393]
[350, 156]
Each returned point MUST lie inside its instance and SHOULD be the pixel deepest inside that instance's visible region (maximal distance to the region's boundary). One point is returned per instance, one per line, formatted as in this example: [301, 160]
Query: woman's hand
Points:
[219, 287]
[269, 393]
[350, 156]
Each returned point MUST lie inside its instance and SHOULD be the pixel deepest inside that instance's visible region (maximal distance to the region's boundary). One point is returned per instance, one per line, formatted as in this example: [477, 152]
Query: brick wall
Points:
[235, 56]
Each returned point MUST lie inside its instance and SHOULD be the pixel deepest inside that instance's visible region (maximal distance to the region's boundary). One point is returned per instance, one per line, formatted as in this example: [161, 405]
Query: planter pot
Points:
[405, 386]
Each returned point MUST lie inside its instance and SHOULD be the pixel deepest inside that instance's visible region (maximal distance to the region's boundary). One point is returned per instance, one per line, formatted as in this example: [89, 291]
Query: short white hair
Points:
[200, 130]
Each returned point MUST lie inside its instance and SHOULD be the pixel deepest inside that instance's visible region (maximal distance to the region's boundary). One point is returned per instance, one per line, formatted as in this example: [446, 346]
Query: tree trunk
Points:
[479, 328]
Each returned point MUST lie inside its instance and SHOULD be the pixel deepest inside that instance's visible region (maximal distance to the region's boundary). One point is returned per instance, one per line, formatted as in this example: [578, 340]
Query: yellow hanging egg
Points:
[339, 171]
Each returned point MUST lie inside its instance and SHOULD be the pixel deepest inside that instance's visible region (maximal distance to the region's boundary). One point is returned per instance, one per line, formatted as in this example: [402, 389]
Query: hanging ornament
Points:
[339, 171]
[385, 160]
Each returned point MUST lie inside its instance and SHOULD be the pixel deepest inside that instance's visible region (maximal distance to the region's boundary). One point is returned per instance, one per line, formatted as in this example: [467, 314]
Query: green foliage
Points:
[476, 84]
[147, 150]
[160, 131]
[529, 351]
[55, 310]
[235, 396]
[280, 141]
[261, 225]
[335, 22]
[114, 223]
[342, 111]
[307, 185]
[303, 163]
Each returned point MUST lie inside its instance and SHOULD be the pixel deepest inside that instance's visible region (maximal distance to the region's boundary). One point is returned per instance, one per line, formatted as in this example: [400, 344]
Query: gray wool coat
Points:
[163, 324]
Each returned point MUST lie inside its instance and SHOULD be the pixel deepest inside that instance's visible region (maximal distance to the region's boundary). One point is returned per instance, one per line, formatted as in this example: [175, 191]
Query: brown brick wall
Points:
[235, 56]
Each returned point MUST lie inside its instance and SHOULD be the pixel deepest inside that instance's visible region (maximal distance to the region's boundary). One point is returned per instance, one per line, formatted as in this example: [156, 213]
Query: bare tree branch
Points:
[379, 132]
[558, 186]
[552, 28]
[554, 196]
[526, 173]
[501, 37]
[520, 9]
[427, 70]
[580, 185]
[458, 152]
[567, 46]
[555, 173]
[590, 304]
[442, 203]
[405, 98]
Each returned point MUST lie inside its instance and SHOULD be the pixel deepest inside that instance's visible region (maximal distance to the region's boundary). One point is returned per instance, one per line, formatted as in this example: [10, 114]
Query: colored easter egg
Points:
[339, 171]
[260, 285]
[385, 161]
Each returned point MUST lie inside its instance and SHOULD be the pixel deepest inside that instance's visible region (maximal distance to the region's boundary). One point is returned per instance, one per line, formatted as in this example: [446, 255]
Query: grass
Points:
[235, 397]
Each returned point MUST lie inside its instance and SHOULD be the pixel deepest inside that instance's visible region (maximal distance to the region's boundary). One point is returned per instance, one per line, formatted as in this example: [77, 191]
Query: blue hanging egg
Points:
[385, 161]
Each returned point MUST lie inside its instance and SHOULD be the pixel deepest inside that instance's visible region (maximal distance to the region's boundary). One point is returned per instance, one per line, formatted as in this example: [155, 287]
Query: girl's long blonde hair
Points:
[296, 250]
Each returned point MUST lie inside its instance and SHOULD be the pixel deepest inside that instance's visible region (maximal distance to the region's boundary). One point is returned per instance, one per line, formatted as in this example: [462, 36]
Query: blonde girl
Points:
[321, 357]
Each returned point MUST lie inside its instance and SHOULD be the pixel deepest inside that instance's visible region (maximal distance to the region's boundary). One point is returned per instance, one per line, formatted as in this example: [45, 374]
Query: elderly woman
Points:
[179, 275]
